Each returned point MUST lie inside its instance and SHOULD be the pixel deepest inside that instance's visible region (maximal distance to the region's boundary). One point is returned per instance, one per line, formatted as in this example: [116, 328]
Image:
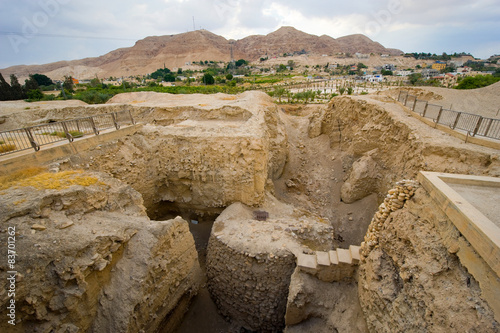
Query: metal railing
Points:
[34, 137]
[473, 124]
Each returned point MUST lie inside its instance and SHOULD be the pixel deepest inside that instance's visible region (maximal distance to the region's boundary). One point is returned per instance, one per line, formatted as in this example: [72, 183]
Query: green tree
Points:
[5, 90]
[30, 88]
[279, 92]
[95, 82]
[42, 80]
[229, 76]
[68, 83]
[208, 79]
[16, 89]
[160, 73]
[241, 62]
[169, 77]
[414, 77]
[31, 84]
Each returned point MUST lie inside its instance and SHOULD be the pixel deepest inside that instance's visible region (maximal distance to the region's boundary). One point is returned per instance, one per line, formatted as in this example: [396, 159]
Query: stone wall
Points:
[249, 289]
[250, 261]
[411, 278]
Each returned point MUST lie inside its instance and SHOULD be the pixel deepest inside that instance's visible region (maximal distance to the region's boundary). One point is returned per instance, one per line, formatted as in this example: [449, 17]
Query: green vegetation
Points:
[93, 96]
[163, 74]
[241, 62]
[208, 79]
[42, 80]
[75, 134]
[433, 56]
[479, 81]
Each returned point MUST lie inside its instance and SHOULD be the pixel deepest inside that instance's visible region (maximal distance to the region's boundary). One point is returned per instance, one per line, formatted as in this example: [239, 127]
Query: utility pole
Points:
[194, 27]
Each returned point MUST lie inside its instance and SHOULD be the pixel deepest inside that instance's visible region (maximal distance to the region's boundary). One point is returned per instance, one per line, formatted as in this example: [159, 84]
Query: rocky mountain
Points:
[152, 53]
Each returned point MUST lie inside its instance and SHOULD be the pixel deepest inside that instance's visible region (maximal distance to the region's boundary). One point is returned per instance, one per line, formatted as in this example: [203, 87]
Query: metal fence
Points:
[473, 124]
[35, 137]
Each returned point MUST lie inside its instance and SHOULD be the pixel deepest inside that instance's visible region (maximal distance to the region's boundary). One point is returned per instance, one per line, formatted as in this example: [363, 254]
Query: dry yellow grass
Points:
[40, 179]
[6, 147]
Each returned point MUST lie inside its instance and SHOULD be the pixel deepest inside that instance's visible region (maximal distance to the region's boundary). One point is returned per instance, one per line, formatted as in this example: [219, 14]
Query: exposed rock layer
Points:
[413, 281]
[89, 259]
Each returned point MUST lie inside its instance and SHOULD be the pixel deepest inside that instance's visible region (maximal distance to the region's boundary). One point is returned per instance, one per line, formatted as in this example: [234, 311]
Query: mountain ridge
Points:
[153, 52]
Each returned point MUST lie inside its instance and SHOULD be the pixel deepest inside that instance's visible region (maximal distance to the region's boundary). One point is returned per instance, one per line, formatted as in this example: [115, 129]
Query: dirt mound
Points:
[8, 107]
[483, 101]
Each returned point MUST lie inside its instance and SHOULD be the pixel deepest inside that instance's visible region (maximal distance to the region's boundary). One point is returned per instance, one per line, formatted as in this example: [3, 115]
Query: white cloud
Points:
[427, 24]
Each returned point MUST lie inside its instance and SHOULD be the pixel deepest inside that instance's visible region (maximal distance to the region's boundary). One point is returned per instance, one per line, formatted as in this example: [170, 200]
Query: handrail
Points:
[34, 137]
[473, 124]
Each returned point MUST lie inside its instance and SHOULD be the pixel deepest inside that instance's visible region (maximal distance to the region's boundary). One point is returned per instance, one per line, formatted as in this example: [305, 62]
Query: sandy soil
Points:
[9, 107]
[483, 101]
[314, 176]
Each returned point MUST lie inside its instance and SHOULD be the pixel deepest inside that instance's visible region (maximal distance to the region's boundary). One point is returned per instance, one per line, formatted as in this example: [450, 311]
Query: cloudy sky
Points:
[42, 31]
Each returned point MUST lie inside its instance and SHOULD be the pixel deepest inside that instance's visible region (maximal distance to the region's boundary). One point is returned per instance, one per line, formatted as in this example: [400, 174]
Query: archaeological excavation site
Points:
[233, 213]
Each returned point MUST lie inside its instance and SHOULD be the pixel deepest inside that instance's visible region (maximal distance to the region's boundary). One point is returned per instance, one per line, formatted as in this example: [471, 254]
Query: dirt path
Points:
[313, 177]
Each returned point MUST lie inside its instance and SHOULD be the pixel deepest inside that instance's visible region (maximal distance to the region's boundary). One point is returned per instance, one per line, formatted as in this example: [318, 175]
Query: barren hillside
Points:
[173, 51]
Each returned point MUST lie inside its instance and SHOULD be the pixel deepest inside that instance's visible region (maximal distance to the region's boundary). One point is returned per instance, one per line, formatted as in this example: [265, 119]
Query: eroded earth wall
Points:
[411, 278]
[202, 157]
[382, 144]
[88, 259]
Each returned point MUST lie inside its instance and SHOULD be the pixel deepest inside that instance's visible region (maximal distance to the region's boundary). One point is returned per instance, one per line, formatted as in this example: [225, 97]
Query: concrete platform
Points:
[472, 203]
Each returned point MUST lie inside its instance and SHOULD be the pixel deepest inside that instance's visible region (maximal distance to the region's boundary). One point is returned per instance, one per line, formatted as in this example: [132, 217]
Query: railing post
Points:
[35, 145]
[94, 128]
[439, 115]
[425, 109]
[399, 96]
[414, 105]
[479, 121]
[68, 135]
[131, 118]
[456, 120]
[114, 120]
[406, 98]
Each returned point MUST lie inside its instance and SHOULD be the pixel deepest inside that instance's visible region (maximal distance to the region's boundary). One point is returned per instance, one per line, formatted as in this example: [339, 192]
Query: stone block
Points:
[344, 256]
[323, 258]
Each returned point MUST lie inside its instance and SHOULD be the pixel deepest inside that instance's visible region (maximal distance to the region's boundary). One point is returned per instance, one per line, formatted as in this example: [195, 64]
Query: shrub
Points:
[479, 81]
[35, 95]
[93, 97]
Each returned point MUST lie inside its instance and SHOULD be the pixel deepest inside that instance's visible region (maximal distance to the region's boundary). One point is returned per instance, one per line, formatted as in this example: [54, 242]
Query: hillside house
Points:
[373, 78]
[403, 73]
[439, 65]
[429, 72]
